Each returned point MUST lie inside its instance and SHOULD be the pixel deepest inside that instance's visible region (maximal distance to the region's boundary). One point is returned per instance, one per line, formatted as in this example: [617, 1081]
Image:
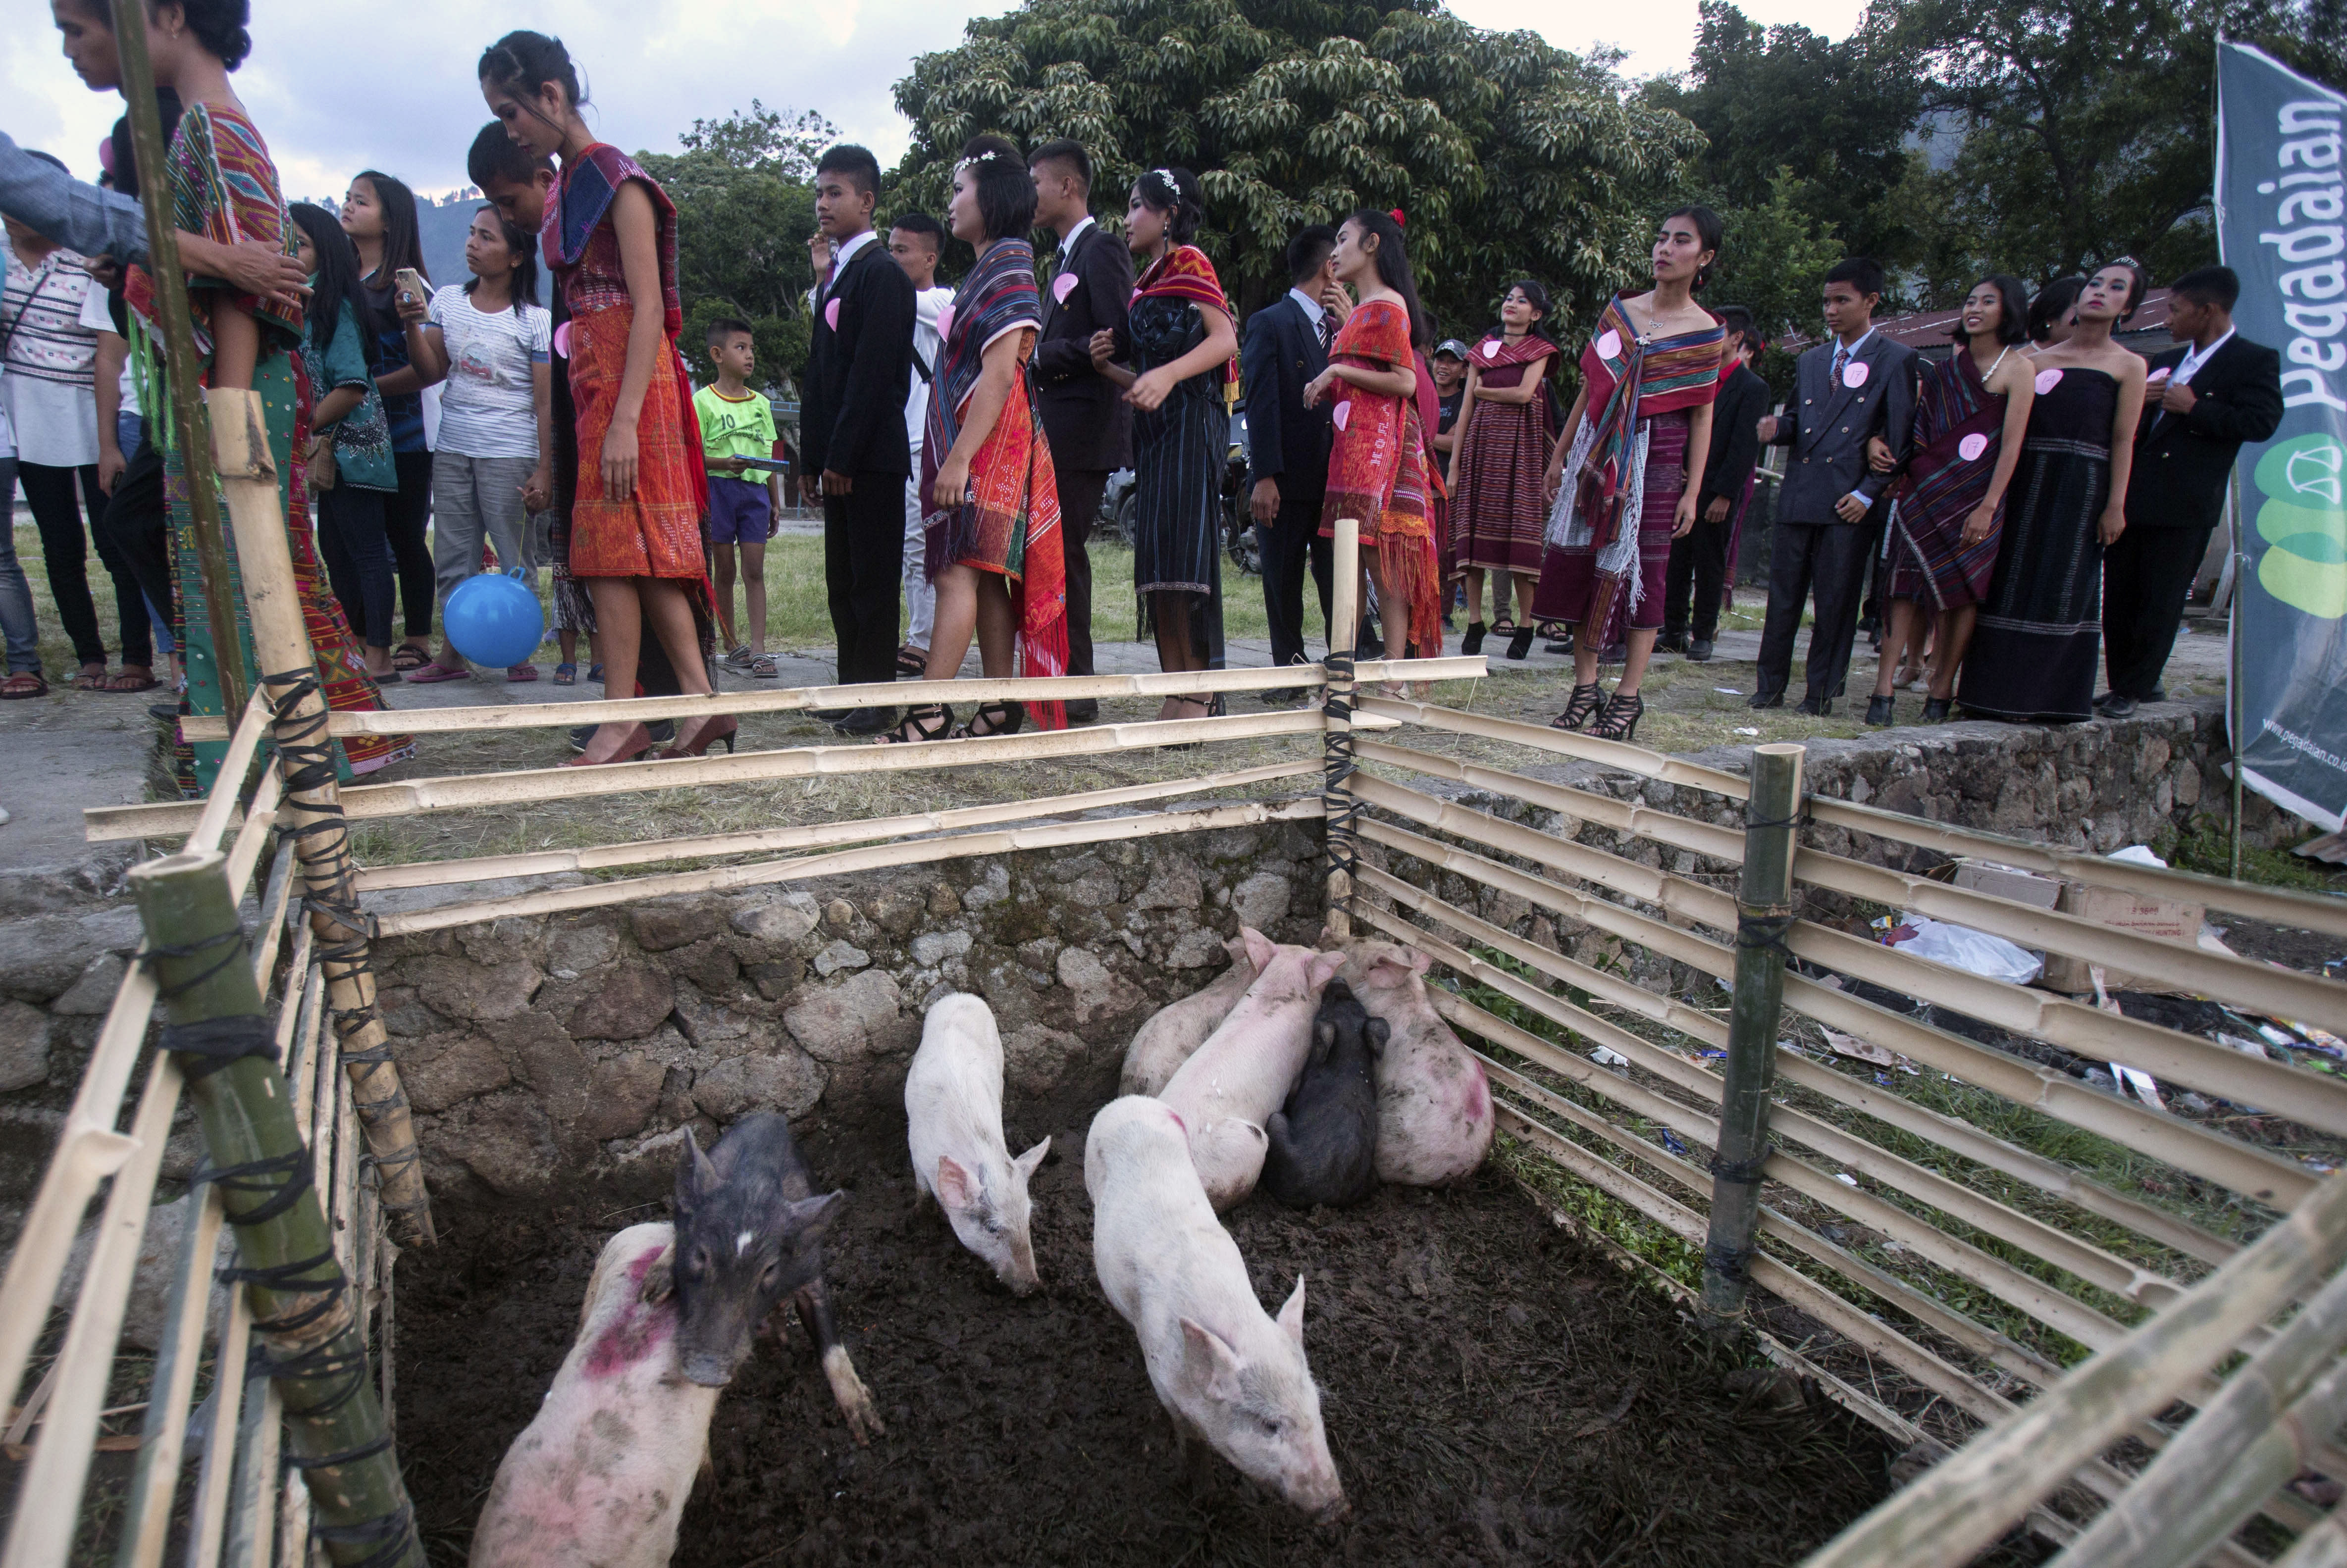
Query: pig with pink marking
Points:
[1434, 1099]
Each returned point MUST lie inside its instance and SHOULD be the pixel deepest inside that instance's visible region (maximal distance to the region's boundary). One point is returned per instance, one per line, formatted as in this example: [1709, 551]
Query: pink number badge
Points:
[1854, 375]
[945, 322]
[1609, 344]
[1062, 286]
[1972, 446]
[1342, 412]
[2047, 381]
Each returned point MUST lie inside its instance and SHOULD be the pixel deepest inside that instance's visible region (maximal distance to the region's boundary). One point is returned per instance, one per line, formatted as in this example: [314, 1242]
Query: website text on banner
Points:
[2281, 216]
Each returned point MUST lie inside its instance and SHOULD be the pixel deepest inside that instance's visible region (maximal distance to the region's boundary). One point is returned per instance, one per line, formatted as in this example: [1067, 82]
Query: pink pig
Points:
[600, 1476]
[1174, 1032]
[1434, 1100]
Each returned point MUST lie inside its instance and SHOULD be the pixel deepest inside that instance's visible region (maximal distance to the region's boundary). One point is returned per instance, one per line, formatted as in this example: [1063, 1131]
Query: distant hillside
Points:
[442, 224]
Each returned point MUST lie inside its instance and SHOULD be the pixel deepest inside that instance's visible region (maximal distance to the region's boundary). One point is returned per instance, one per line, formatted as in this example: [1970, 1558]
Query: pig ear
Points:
[1419, 962]
[1024, 1165]
[809, 1217]
[957, 1188]
[1237, 948]
[1209, 1362]
[695, 1176]
[1325, 966]
[1324, 1036]
[1291, 1316]
[1379, 1032]
[1261, 950]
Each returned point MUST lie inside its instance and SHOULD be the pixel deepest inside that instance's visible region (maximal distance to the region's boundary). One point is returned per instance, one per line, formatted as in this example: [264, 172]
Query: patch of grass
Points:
[2208, 849]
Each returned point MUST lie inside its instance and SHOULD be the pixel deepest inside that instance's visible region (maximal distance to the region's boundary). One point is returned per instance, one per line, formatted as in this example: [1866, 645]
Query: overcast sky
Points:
[411, 105]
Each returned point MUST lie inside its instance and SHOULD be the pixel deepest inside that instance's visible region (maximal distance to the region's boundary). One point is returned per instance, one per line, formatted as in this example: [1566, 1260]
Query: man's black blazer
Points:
[1829, 421]
[1735, 437]
[1285, 441]
[1085, 416]
[860, 370]
[2181, 459]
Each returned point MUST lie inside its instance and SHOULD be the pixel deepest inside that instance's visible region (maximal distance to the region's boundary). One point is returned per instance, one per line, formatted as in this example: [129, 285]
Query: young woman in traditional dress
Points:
[1378, 469]
[609, 237]
[994, 550]
[1500, 452]
[1947, 508]
[1628, 469]
[1182, 351]
[2038, 639]
[224, 187]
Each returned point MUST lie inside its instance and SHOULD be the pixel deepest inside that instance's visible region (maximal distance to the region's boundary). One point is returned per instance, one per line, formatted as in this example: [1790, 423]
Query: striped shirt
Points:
[51, 361]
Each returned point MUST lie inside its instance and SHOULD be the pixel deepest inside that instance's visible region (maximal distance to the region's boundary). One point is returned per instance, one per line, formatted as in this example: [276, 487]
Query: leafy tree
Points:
[1774, 261]
[745, 208]
[1783, 99]
[1510, 158]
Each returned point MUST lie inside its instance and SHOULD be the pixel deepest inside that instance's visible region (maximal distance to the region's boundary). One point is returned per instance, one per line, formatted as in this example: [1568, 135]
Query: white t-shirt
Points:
[488, 408]
[927, 306]
[49, 358]
[98, 317]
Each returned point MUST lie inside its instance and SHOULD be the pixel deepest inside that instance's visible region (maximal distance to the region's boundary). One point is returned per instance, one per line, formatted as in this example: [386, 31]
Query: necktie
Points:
[1842, 362]
[1327, 327]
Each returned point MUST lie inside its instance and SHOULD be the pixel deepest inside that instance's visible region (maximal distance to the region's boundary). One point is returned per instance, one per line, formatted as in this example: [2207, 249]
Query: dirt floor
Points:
[1495, 1393]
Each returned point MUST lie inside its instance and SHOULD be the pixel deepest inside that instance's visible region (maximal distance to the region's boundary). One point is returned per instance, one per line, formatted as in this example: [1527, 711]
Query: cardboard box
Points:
[2007, 882]
[2167, 920]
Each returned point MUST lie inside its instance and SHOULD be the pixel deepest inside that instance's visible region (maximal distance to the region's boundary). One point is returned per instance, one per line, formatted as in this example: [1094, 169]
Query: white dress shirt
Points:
[1313, 308]
[1068, 242]
[2195, 358]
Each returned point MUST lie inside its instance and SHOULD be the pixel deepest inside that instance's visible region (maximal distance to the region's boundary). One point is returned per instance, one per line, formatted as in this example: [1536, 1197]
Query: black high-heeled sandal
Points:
[1473, 642]
[934, 722]
[1621, 720]
[1521, 643]
[1559, 634]
[999, 719]
[1935, 709]
[1587, 700]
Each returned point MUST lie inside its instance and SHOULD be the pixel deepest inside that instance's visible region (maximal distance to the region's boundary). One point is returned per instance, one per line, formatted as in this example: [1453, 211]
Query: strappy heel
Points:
[1621, 720]
[1473, 642]
[1585, 702]
[999, 719]
[934, 722]
[692, 739]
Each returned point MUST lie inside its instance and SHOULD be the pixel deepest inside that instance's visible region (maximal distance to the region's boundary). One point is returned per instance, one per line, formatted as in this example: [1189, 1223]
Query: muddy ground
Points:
[1495, 1393]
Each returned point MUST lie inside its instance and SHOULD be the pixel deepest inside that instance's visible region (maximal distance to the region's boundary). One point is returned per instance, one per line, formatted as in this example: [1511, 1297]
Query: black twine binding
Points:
[1728, 1262]
[1339, 807]
[391, 1534]
[1799, 819]
[232, 938]
[317, 1364]
[216, 1044]
[1743, 1173]
[284, 1279]
[1766, 932]
[295, 1168]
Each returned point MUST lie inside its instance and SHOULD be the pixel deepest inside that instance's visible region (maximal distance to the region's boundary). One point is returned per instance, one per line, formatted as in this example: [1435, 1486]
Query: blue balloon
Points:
[494, 619]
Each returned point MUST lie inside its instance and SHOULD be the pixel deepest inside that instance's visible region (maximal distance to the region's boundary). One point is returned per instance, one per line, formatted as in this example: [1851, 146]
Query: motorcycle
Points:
[1117, 514]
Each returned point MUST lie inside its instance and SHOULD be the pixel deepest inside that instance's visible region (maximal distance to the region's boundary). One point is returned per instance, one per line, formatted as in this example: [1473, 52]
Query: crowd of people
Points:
[2036, 501]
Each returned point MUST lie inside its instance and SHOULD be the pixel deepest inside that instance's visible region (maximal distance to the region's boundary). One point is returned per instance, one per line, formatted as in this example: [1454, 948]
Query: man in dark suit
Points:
[1286, 348]
[1085, 416]
[853, 418]
[2209, 395]
[1855, 384]
[1699, 559]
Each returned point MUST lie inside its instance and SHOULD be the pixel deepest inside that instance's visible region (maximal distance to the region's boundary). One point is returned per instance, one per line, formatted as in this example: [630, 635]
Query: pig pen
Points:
[1495, 1391]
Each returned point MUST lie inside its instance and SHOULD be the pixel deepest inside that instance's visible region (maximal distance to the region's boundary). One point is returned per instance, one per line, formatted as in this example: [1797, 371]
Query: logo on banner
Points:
[2304, 524]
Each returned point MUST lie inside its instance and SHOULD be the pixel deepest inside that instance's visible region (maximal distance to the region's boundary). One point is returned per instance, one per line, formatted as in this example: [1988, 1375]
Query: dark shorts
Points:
[740, 513]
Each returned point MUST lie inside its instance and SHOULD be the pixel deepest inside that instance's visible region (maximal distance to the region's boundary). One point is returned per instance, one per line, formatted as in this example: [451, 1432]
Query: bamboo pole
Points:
[183, 373]
[918, 852]
[440, 873]
[792, 699]
[415, 797]
[1764, 912]
[2254, 1173]
[300, 1299]
[1967, 1501]
[155, 1478]
[281, 641]
[2244, 1444]
[1339, 806]
[2324, 1546]
[2306, 911]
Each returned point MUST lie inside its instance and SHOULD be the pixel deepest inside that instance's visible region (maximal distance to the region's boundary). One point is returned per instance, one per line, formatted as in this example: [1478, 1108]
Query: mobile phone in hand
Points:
[411, 284]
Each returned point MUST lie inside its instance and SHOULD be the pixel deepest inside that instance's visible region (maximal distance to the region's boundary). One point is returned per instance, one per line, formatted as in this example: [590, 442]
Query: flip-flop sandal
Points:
[522, 672]
[23, 683]
[429, 674]
[595, 674]
[566, 674]
[764, 667]
[128, 683]
[912, 663]
[408, 657]
[738, 659]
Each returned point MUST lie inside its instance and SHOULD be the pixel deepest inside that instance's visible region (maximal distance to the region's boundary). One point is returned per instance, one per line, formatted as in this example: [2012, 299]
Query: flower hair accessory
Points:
[988, 156]
[1399, 221]
[1172, 184]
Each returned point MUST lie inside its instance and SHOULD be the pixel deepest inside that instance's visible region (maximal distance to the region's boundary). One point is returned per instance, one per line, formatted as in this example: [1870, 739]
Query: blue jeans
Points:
[17, 627]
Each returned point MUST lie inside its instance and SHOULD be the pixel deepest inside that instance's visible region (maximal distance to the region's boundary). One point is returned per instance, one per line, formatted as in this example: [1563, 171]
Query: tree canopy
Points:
[1510, 158]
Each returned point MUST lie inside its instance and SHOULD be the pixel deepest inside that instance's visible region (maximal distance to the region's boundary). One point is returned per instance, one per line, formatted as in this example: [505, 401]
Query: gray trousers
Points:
[474, 498]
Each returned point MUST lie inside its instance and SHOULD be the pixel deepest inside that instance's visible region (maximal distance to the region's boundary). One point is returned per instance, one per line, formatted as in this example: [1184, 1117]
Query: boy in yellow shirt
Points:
[737, 433]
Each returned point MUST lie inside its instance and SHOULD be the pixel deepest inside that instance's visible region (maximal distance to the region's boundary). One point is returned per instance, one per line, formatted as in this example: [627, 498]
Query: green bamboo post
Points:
[1764, 910]
[183, 371]
[301, 1301]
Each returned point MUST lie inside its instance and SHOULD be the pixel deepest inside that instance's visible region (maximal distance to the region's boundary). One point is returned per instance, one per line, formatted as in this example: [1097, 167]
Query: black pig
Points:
[749, 1232]
[1324, 1144]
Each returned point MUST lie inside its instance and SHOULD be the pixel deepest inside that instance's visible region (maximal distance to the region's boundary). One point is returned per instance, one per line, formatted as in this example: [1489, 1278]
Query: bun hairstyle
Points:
[1005, 191]
[2013, 318]
[1392, 258]
[1175, 192]
[2052, 303]
[1708, 229]
[522, 62]
[218, 26]
[2139, 282]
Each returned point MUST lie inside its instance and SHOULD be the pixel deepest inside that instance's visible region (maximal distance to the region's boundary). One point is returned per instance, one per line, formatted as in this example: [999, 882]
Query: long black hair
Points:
[2052, 301]
[1393, 268]
[337, 282]
[1711, 233]
[1536, 295]
[1176, 193]
[403, 243]
[525, 251]
[2013, 318]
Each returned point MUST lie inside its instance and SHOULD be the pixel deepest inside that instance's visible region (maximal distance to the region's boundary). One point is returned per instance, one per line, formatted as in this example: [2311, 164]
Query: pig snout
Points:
[713, 1337]
[1019, 1270]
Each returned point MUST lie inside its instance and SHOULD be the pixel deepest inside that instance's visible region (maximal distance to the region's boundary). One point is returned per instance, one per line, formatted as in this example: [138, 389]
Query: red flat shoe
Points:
[633, 741]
